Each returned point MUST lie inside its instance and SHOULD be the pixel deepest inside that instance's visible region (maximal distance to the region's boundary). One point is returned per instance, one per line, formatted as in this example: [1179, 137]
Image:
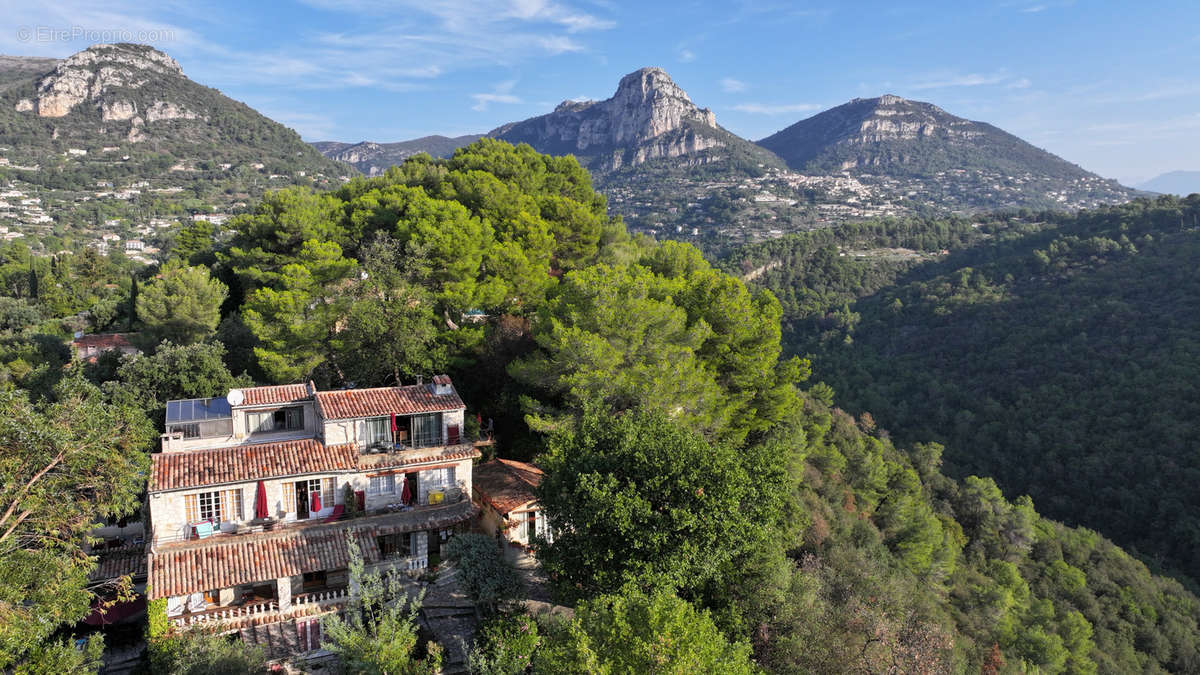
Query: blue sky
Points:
[1111, 86]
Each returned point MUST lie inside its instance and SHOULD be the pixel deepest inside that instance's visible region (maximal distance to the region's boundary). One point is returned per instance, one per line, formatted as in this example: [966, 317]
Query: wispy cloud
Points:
[732, 86]
[686, 55]
[775, 109]
[501, 93]
[964, 80]
[1034, 9]
[1021, 83]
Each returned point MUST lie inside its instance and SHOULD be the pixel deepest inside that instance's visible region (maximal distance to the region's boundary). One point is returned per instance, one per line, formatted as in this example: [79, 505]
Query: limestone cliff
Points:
[649, 117]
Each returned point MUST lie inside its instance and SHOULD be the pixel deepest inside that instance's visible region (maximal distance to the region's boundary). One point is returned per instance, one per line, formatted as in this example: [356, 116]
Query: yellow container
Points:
[436, 497]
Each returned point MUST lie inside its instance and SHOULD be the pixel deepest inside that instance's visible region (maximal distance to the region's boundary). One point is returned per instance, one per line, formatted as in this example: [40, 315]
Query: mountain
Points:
[373, 159]
[1054, 353]
[125, 118]
[15, 69]
[915, 141]
[1174, 183]
[648, 118]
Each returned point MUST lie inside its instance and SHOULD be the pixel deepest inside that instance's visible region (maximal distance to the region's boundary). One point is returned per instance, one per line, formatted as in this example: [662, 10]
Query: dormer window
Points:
[283, 419]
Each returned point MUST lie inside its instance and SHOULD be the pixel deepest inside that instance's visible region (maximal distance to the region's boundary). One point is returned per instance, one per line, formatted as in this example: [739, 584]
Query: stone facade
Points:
[217, 453]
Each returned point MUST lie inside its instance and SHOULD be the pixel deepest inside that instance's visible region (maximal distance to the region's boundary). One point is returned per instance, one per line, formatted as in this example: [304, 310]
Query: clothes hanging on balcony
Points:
[260, 502]
[405, 493]
[315, 505]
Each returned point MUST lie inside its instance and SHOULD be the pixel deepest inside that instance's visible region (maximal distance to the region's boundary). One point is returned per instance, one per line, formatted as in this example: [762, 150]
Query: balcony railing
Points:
[300, 605]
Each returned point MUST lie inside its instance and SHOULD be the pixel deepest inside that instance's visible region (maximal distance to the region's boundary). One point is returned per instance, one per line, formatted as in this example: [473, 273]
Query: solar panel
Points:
[198, 409]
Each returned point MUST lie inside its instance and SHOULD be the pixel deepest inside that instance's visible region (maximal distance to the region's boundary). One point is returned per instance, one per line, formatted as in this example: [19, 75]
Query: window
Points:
[221, 506]
[382, 485]
[426, 430]
[375, 432]
[188, 430]
[439, 477]
[292, 491]
[395, 545]
[284, 419]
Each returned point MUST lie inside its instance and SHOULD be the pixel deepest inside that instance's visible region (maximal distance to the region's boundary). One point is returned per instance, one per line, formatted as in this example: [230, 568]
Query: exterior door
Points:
[302, 497]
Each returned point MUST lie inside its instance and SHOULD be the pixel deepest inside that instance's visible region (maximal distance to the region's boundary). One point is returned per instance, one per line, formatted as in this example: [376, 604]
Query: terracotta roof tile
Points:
[506, 484]
[389, 460]
[282, 393]
[104, 341]
[194, 468]
[410, 400]
[118, 562]
[244, 560]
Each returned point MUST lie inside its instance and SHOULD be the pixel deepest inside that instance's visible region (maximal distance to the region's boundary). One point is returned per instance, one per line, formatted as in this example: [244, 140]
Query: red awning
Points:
[260, 501]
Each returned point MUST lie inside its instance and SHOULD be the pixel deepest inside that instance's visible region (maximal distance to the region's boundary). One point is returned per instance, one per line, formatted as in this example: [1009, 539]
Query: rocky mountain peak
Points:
[103, 74]
[649, 117]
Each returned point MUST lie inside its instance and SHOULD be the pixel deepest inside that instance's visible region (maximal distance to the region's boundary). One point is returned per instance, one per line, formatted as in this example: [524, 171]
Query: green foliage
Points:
[66, 465]
[63, 657]
[671, 334]
[182, 305]
[175, 372]
[504, 645]
[487, 577]
[377, 632]
[640, 498]
[1042, 357]
[633, 632]
[156, 618]
[195, 652]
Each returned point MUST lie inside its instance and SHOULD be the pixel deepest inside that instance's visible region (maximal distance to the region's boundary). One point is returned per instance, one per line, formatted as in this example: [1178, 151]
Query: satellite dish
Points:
[235, 397]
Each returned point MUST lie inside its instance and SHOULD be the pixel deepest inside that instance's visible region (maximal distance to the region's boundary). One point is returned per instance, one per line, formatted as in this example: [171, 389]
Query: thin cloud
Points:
[687, 55]
[501, 93]
[775, 109]
[732, 86]
[968, 80]
[1034, 9]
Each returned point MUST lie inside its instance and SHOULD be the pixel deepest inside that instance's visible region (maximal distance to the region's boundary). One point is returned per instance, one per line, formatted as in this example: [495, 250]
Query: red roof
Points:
[240, 463]
[242, 559]
[104, 341]
[247, 559]
[282, 393]
[506, 484]
[410, 400]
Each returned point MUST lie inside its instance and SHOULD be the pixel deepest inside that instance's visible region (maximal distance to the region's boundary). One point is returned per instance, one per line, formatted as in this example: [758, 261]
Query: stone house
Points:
[90, 347]
[503, 489]
[255, 495]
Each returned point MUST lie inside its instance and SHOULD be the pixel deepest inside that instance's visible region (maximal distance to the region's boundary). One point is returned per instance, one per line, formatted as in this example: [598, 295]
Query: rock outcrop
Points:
[649, 117]
[895, 136]
[101, 75]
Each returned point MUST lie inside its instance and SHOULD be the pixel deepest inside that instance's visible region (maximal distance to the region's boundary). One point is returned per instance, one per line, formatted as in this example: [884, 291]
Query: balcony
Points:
[452, 502]
[229, 618]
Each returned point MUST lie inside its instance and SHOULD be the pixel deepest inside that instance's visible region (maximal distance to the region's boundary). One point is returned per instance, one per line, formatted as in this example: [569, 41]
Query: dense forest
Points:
[1053, 352]
[716, 511]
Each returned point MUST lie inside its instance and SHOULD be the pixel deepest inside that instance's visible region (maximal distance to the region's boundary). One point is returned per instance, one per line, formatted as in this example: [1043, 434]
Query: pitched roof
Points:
[453, 453]
[248, 559]
[104, 341]
[242, 559]
[194, 468]
[282, 393]
[410, 400]
[506, 484]
[118, 562]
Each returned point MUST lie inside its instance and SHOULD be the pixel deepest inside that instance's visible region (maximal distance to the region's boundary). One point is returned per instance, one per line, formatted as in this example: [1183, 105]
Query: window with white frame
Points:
[382, 485]
[217, 506]
[443, 477]
[375, 432]
[284, 419]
